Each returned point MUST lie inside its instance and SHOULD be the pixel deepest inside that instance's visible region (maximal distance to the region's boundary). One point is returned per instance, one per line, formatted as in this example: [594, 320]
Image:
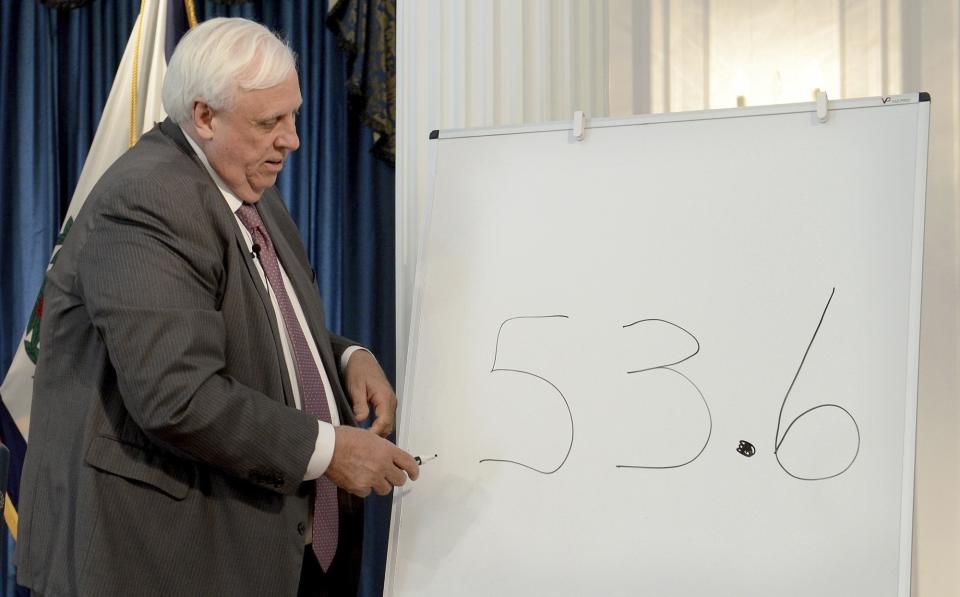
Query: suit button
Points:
[301, 528]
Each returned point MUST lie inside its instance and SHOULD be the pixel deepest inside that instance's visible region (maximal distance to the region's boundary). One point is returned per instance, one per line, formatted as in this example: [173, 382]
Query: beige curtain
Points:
[480, 63]
[695, 54]
[472, 63]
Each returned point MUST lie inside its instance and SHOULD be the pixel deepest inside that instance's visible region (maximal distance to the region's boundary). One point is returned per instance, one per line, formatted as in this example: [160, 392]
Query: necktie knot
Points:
[249, 217]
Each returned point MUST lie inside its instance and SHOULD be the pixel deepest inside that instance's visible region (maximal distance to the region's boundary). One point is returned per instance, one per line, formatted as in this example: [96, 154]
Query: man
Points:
[190, 429]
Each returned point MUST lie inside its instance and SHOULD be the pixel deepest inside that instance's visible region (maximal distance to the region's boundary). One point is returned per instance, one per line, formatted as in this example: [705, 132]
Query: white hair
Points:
[217, 58]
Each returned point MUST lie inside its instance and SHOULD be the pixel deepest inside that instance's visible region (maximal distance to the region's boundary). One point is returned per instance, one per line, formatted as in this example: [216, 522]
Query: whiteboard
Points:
[678, 357]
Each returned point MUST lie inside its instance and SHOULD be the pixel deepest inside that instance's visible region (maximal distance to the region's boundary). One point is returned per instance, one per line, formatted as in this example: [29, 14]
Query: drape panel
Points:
[367, 29]
[55, 73]
[473, 63]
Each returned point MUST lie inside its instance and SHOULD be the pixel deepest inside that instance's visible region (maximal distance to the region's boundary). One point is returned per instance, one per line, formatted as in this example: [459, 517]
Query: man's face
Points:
[248, 143]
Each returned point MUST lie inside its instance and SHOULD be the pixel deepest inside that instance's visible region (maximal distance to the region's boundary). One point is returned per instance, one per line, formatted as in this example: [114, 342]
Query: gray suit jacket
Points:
[166, 455]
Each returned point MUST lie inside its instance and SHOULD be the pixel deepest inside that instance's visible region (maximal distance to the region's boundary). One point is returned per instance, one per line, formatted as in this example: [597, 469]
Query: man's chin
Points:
[262, 183]
[251, 193]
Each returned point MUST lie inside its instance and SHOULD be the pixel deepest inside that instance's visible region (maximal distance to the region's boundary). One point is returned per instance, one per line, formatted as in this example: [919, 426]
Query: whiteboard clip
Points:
[822, 111]
[579, 124]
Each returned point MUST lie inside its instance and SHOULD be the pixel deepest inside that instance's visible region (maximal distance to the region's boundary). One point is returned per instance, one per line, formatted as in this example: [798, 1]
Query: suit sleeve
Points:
[340, 346]
[150, 282]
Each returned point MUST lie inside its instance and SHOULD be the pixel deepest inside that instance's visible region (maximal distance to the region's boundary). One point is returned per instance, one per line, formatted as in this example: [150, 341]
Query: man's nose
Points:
[288, 139]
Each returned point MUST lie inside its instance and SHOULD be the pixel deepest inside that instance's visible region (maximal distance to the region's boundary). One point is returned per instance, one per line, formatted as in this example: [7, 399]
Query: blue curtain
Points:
[56, 69]
[28, 85]
[55, 73]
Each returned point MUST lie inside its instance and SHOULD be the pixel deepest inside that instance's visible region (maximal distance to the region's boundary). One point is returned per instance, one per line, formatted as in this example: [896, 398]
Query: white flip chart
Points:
[678, 357]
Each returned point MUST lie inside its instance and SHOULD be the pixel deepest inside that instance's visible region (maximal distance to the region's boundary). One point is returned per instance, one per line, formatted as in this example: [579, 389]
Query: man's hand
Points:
[366, 385]
[363, 461]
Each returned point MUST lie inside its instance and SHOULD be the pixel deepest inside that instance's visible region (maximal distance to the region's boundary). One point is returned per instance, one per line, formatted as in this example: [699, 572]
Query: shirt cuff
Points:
[345, 357]
[322, 451]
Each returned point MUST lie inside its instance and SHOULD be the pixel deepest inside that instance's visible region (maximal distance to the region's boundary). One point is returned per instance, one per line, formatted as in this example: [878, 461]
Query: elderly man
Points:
[191, 434]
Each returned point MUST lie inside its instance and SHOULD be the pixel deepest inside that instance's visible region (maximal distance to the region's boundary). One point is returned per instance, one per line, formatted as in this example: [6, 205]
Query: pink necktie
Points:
[326, 521]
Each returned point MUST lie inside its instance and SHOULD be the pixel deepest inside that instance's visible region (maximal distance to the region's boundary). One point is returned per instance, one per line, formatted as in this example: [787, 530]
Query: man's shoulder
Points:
[155, 171]
[159, 156]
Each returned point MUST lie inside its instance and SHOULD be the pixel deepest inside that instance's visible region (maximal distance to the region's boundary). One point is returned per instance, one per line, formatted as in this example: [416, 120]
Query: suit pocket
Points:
[138, 464]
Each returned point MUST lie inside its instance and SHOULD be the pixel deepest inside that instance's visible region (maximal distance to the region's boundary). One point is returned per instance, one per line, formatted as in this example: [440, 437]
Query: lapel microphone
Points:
[256, 251]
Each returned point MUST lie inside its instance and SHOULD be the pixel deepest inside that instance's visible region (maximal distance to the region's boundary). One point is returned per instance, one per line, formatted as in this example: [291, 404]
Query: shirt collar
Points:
[232, 200]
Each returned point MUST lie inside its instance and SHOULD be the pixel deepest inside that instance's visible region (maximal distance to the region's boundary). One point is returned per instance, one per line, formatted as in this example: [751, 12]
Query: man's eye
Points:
[269, 124]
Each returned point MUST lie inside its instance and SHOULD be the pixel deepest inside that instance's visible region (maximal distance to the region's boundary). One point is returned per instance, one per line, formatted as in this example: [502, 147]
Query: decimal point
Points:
[746, 448]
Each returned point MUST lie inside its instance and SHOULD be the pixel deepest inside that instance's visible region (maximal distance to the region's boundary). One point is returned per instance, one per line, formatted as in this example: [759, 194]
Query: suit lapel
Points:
[267, 305]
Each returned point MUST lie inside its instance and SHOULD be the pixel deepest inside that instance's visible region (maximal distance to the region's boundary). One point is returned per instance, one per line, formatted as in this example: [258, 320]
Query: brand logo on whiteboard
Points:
[895, 100]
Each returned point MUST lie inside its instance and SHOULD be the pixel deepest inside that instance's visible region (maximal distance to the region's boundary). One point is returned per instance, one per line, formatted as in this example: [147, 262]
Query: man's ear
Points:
[203, 119]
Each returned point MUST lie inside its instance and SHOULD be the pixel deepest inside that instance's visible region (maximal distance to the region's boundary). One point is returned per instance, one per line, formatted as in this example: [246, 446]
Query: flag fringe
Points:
[10, 515]
[134, 79]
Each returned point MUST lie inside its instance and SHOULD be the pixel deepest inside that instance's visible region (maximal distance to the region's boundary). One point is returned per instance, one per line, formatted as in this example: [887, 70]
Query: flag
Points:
[132, 108]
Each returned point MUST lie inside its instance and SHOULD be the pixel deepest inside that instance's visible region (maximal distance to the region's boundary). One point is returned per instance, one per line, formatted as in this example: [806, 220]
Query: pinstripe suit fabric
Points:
[166, 454]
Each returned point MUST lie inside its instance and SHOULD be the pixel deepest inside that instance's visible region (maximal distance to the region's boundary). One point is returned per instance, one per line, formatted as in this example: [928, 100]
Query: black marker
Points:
[422, 459]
